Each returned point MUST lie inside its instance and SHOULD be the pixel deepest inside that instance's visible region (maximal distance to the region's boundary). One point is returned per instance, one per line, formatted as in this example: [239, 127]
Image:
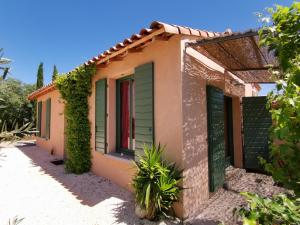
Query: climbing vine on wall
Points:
[75, 87]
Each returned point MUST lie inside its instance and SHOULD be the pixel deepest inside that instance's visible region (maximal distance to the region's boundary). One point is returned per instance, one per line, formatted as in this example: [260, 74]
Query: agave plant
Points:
[156, 183]
[17, 133]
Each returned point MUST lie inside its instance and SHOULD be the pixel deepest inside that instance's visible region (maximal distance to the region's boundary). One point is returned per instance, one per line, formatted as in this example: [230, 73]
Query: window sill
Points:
[120, 156]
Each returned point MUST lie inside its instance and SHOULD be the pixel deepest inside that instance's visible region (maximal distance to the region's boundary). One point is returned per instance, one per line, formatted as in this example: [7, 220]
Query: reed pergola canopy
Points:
[241, 54]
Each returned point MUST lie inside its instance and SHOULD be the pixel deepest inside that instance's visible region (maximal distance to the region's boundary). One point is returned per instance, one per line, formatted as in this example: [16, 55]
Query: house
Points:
[173, 85]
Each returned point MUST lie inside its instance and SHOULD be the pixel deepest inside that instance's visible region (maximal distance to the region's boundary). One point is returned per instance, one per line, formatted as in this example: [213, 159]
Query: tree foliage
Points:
[75, 87]
[55, 73]
[268, 211]
[17, 110]
[40, 76]
[284, 39]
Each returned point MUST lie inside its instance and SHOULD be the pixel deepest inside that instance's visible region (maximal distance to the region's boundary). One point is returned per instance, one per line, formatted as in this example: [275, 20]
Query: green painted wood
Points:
[39, 119]
[144, 102]
[100, 116]
[257, 121]
[48, 118]
[216, 144]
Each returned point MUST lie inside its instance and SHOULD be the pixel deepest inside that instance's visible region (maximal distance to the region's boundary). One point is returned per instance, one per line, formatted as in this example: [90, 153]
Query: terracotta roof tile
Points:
[156, 28]
[43, 90]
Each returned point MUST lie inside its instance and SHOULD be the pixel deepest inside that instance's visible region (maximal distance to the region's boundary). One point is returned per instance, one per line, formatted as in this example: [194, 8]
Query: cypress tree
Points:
[55, 73]
[40, 77]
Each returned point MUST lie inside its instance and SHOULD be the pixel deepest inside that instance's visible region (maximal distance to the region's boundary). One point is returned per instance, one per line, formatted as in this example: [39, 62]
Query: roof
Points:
[147, 34]
[41, 91]
[241, 54]
[144, 37]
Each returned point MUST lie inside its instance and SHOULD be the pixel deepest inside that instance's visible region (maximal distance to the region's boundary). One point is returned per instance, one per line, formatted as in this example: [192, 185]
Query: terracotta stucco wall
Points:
[56, 141]
[197, 73]
[167, 107]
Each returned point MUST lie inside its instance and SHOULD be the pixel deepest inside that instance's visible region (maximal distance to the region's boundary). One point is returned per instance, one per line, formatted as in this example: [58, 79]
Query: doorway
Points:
[228, 131]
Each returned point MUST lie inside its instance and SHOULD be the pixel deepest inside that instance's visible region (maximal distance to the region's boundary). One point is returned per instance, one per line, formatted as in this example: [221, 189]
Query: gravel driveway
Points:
[43, 194]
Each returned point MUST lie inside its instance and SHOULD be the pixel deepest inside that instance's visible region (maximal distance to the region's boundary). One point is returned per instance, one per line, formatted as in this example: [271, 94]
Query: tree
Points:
[40, 77]
[18, 109]
[55, 73]
[282, 38]
[284, 103]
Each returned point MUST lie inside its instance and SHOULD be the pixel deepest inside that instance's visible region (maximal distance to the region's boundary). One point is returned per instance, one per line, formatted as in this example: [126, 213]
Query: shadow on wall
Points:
[195, 77]
[88, 188]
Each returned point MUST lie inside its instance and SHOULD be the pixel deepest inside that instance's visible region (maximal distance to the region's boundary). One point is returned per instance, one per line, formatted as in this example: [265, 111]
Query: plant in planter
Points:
[156, 184]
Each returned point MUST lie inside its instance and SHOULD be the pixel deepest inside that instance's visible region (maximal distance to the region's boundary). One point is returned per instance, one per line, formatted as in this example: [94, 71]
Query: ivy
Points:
[75, 87]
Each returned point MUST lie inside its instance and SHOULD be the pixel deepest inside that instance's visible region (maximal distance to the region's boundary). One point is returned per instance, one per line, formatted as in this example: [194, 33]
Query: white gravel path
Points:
[43, 194]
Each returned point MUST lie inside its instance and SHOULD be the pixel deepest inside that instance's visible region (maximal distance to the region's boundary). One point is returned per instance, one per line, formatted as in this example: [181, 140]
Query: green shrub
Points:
[156, 183]
[75, 87]
[283, 38]
[15, 108]
[268, 211]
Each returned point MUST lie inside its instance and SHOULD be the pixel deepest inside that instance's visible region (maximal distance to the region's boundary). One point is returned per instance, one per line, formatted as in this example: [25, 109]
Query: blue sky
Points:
[68, 32]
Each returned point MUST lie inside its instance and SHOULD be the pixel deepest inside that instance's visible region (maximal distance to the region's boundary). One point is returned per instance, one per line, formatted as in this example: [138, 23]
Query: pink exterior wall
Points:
[197, 73]
[180, 119]
[56, 141]
[167, 107]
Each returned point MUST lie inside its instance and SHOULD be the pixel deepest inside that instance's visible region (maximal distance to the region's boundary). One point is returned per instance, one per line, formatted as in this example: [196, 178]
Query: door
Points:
[216, 143]
[256, 124]
[228, 132]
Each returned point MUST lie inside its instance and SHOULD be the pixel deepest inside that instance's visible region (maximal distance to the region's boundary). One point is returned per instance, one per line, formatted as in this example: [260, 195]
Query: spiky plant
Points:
[156, 183]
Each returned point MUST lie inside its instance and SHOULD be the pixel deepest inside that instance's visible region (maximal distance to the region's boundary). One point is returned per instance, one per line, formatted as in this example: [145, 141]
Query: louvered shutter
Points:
[48, 117]
[39, 119]
[216, 141]
[144, 111]
[100, 117]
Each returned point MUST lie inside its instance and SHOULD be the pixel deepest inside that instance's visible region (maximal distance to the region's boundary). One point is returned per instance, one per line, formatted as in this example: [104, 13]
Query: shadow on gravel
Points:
[88, 188]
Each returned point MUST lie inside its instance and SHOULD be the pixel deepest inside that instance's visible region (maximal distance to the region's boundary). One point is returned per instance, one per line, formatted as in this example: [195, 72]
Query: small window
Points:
[126, 115]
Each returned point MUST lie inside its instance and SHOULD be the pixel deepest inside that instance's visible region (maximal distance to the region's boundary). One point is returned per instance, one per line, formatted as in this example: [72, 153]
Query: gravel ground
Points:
[221, 205]
[43, 194]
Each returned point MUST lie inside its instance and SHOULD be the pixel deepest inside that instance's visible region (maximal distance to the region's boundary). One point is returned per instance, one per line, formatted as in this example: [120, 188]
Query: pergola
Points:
[240, 54]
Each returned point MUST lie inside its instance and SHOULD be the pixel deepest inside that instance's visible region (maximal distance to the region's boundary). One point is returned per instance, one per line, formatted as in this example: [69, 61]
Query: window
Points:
[44, 118]
[126, 115]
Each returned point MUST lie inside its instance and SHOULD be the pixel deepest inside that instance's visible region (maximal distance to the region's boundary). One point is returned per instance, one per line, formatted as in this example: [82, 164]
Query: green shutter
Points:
[39, 119]
[257, 122]
[100, 117]
[216, 141]
[144, 119]
[48, 117]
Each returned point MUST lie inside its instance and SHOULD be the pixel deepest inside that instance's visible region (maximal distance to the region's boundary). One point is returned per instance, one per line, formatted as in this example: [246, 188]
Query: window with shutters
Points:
[44, 118]
[135, 111]
[126, 115]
